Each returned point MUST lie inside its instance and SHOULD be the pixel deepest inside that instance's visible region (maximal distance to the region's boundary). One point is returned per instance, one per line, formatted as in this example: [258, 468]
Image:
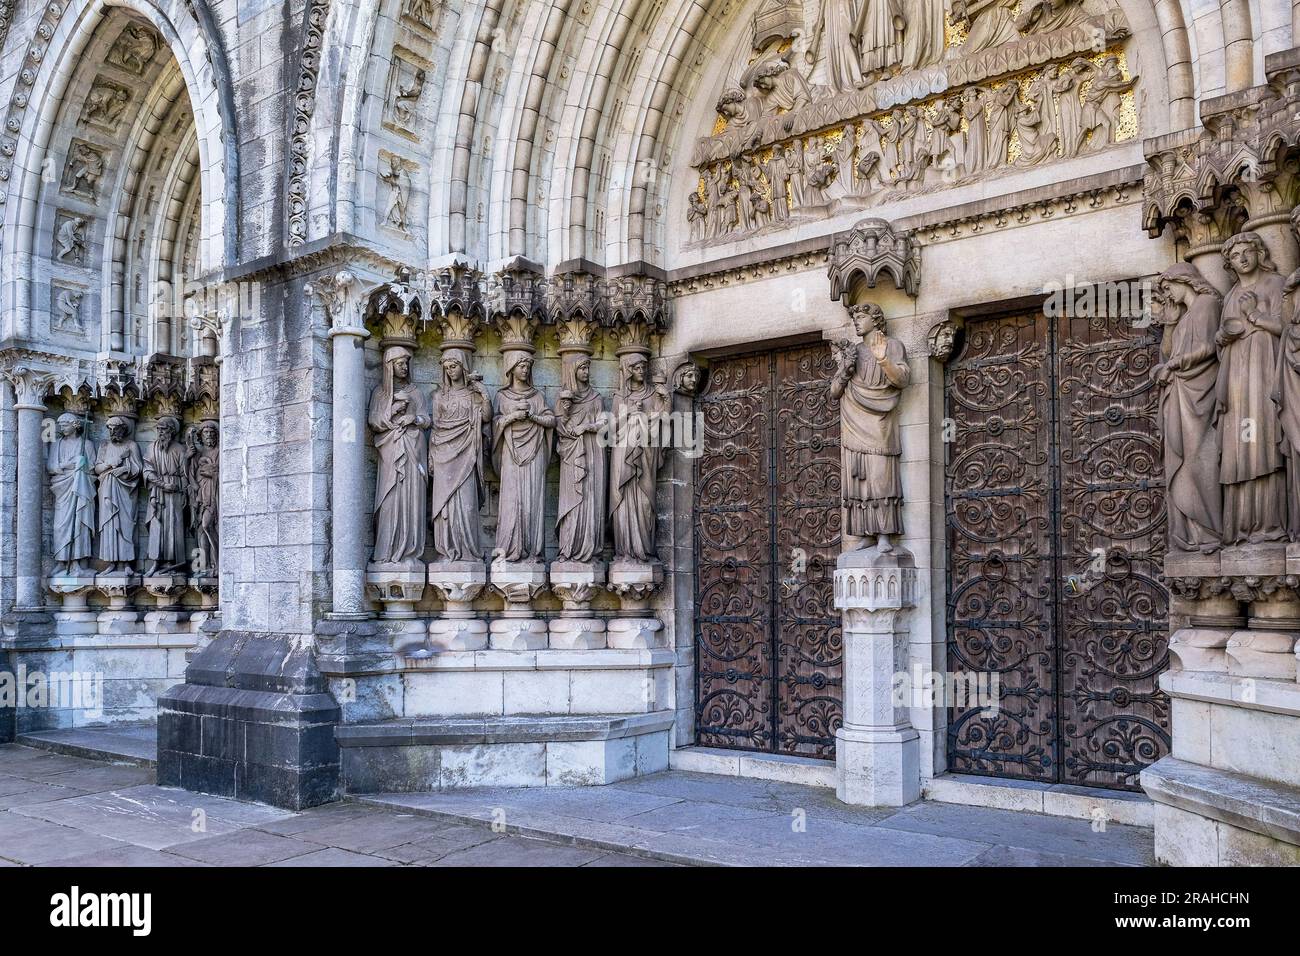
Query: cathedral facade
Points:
[402, 395]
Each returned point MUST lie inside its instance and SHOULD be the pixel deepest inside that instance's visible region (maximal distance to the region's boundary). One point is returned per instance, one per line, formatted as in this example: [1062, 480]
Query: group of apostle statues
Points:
[431, 459]
[1230, 400]
[96, 491]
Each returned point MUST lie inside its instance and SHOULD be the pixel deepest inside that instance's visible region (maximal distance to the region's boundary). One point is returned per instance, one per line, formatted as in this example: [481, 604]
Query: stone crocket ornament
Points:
[869, 381]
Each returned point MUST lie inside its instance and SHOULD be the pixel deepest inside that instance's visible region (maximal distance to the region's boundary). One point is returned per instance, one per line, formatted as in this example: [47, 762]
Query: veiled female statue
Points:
[869, 383]
[1187, 377]
[398, 417]
[521, 451]
[118, 467]
[635, 460]
[73, 489]
[460, 410]
[204, 472]
[579, 419]
[1253, 469]
[164, 477]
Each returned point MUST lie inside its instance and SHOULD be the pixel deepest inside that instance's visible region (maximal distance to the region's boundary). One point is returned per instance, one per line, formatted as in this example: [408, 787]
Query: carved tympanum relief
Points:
[887, 100]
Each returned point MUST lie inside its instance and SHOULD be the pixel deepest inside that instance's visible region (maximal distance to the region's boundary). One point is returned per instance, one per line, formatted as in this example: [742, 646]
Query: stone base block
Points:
[398, 587]
[517, 634]
[577, 633]
[1199, 649]
[458, 634]
[253, 721]
[878, 768]
[406, 756]
[636, 632]
[1269, 655]
[410, 637]
[1254, 560]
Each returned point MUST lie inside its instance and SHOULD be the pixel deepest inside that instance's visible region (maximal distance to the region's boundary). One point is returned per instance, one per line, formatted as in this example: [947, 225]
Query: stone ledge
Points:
[1054, 800]
[1248, 693]
[602, 659]
[460, 731]
[783, 768]
[1247, 803]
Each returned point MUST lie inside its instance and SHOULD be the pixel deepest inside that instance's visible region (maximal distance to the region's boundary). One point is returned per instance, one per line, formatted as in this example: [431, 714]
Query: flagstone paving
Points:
[60, 810]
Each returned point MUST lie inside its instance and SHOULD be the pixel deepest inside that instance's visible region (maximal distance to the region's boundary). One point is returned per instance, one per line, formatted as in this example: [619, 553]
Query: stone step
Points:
[412, 755]
[135, 744]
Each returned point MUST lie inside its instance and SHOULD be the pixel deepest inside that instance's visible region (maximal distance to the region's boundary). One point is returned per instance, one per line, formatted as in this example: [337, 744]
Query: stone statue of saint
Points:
[878, 33]
[869, 381]
[119, 467]
[1288, 395]
[635, 460]
[73, 489]
[1189, 311]
[460, 410]
[579, 420]
[1253, 468]
[398, 418]
[164, 476]
[203, 471]
[521, 451]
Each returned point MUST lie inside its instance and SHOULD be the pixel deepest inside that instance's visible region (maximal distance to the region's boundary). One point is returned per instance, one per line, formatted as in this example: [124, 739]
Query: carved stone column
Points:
[29, 389]
[877, 751]
[338, 295]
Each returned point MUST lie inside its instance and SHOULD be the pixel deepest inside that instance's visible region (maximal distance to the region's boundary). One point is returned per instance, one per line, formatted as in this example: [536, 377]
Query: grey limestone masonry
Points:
[564, 392]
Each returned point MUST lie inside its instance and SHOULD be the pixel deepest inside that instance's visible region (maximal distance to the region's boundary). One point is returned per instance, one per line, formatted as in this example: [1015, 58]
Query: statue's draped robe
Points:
[73, 488]
[402, 475]
[581, 520]
[1194, 499]
[164, 475]
[923, 33]
[869, 444]
[456, 467]
[842, 67]
[633, 470]
[1252, 473]
[1071, 108]
[878, 46]
[1288, 401]
[116, 539]
[205, 492]
[521, 452]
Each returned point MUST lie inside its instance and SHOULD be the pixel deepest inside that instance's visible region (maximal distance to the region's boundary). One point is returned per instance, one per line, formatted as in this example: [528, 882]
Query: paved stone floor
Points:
[68, 811]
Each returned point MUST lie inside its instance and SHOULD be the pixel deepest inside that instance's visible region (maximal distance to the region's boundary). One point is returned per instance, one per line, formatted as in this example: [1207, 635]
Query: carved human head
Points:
[118, 428]
[634, 369]
[168, 429]
[519, 366]
[69, 424]
[1179, 281]
[398, 359]
[209, 434]
[1245, 252]
[867, 317]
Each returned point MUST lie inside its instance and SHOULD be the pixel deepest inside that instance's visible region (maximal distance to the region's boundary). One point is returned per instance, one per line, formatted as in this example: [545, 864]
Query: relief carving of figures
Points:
[134, 49]
[1288, 394]
[988, 23]
[843, 68]
[105, 103]
[1189, 311]
[521, 451]
[998, 104]
[579, 421]
[406, 96]
[118, 467]
[1102, 101]
[398, 418]
[203, 471]
[778, 174]
[460, 410]
[84, 169]
[923, 32]
[972, 110]
[878, 33]
[1034, 124]
[1253, 474]
[399, 196]
[164, 477]
[1066, 87]
[697, 216]
[869, 381]
[71, 239]
[73, 490]
[635, 459]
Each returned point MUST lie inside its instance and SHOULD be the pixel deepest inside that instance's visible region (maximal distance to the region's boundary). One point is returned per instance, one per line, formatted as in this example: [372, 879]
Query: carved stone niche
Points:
[871, 249]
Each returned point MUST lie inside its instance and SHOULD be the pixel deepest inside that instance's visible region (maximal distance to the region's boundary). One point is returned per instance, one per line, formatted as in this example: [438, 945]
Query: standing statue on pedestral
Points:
[1288, 395]
[869, 382]
[118, 466]
[460, 410]
[164, 476]
[579, 420]
[1189, 310]
[203, 469]
[521, 451]
[635, 460]
[1253, 472]
[73, 489]
[398, 418]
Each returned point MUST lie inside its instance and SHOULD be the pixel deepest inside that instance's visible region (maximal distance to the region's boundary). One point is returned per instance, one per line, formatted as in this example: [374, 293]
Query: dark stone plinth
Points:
[7, 707]
[254, 720]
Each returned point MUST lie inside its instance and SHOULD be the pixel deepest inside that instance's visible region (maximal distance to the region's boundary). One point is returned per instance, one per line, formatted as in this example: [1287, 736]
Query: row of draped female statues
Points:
[430, 460]
[95, 492]
[1230, 400]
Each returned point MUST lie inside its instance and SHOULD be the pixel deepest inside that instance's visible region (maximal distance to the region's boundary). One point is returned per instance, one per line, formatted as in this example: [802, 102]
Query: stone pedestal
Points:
[1266, 648]
[168, 616]
[74, 616]
[120, 617]
[397, 588]
[458, 583]
[575, 584]
[878, 753]
[634, 582]
[519, 583]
